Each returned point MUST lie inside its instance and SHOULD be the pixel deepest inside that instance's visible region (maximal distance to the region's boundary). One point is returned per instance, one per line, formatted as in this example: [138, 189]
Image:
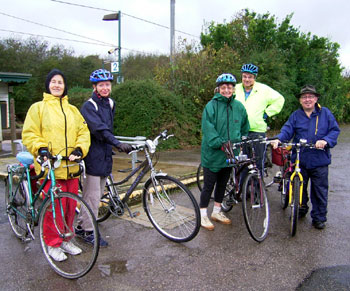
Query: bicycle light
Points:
[303, 141]
[151, 146]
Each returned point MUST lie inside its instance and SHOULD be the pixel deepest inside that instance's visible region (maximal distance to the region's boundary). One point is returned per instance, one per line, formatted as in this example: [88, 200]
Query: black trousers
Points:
[318, 193]
[211, 179]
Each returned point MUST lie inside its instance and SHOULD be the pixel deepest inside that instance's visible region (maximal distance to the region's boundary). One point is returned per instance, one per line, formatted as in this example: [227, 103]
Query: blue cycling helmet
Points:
[101, 75]
[226, 78]
[250, 68]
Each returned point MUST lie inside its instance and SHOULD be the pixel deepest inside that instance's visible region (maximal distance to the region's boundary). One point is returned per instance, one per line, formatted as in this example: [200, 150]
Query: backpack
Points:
[95, 104]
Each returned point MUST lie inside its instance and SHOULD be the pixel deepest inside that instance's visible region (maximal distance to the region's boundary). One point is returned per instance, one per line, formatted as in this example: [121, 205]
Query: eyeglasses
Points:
[304, 97]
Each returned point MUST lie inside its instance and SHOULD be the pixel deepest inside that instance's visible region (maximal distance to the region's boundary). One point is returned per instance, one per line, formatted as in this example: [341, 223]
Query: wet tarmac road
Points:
[139, 258]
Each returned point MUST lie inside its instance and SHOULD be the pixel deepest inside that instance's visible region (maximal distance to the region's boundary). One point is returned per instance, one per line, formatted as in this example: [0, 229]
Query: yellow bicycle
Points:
[291, 183]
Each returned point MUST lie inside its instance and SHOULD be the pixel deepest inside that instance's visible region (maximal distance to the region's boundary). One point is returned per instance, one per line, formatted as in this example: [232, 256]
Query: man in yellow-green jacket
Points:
[261, 102]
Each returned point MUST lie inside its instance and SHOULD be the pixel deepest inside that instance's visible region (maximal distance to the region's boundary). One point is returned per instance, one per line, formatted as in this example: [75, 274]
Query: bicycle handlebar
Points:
[151, 144]
[299, 144]
[58, 158]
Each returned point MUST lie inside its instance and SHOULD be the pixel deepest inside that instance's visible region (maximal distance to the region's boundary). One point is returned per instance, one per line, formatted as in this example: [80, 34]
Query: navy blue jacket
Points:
[99, 160]
[320, 126]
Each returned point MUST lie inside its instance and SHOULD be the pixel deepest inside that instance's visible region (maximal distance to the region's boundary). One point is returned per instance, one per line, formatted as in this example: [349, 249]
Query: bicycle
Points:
[26, 209]
[169, 204]
[291, 182]
[232, 192]
[252, 191]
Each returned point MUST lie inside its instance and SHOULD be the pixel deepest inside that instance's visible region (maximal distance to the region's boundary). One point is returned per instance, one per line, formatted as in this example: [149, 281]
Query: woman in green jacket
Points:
[224, 119]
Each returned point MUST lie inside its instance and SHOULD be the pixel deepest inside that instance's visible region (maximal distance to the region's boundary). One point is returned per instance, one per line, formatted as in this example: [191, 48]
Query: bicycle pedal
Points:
[135, 214]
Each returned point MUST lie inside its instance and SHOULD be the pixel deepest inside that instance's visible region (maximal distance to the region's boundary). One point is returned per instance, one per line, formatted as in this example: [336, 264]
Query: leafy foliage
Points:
[144, 108]
[287, 58]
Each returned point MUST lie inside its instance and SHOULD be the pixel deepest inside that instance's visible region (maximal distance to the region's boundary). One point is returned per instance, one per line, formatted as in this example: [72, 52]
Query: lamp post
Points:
[113, 17]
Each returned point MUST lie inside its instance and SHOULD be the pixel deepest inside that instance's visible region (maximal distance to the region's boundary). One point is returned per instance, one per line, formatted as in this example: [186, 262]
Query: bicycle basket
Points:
[279, 156]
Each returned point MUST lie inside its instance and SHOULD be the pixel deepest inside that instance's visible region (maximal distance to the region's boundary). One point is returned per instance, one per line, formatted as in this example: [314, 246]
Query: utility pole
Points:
[172, 30]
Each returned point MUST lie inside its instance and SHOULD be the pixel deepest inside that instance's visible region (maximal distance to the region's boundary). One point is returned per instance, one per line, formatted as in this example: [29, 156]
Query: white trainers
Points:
[206, 223]
[70, 248]
[57, 254]
[220, 217]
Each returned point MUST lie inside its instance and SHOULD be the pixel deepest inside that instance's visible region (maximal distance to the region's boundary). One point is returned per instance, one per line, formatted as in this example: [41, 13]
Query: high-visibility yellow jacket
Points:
[262, 99]
[59, 126]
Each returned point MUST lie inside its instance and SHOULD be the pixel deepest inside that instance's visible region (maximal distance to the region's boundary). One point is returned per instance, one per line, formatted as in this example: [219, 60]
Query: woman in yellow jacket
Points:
[56, 127]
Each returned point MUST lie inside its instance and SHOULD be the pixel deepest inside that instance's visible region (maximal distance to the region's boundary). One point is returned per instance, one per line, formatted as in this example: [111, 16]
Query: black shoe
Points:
[79, 231]
[319, 224]
[90, 239]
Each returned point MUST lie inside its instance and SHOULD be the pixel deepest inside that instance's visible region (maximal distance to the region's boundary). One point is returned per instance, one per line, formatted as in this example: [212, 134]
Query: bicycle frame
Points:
[297, 171]
[249, 163]
[33, 197]
[143, 169]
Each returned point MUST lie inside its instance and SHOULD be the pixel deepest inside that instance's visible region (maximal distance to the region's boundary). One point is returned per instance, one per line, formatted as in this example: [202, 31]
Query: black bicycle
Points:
[168, 203]
[251, 191]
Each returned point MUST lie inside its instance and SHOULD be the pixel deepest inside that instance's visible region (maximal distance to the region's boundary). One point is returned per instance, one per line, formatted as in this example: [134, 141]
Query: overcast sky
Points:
[320, 17]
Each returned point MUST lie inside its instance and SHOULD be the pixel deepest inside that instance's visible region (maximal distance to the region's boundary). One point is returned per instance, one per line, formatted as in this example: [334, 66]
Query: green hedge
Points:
[144, 108]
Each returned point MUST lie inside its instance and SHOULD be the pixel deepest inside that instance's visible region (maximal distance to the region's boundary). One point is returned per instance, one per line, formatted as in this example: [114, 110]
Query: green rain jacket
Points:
[223, 119]
[263, 99]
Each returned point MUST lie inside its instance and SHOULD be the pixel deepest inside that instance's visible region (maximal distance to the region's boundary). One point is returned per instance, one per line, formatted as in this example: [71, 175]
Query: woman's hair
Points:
[50, 75]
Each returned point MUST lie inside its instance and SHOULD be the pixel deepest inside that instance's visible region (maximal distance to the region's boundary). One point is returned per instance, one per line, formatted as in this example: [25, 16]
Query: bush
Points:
[77, 96]
[144, 108]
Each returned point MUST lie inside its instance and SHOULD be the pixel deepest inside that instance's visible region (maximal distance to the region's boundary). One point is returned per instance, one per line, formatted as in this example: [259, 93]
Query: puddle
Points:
[109, 268]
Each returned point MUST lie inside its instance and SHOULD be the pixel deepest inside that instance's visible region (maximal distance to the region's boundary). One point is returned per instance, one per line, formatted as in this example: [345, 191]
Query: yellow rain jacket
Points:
[59, 126]
[262, 99]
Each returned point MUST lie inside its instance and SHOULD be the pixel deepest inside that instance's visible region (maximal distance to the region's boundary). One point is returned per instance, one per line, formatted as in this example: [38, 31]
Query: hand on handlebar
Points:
[320, 144]
[124, 147]
[274, 143]
[43, 153]
[75, 155]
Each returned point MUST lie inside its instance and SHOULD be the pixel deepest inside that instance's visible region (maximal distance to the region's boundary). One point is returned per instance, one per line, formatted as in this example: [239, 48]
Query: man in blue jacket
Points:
[98, 111]
[317, 125]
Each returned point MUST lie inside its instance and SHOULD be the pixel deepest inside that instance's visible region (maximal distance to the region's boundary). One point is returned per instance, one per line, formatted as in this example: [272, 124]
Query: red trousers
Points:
[51, 235]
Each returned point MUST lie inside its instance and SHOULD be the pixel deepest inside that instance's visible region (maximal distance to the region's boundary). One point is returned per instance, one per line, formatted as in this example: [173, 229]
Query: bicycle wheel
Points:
[171, 208]
[17, 206]
[75, 266]
[284, 188]
[200, 177]
[295, 205]
[104, 208]
[255, 207]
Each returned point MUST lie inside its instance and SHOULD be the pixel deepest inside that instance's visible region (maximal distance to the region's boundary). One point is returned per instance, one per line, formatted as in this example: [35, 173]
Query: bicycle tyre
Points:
[200, 177]
[104, 209]
[74, 266]
[17, 206]
[171, 208]
[295, 205]
[255, 211]
[285, 188]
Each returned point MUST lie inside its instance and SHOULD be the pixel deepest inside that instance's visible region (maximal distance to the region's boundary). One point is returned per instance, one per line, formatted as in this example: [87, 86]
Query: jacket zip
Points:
[65, 134]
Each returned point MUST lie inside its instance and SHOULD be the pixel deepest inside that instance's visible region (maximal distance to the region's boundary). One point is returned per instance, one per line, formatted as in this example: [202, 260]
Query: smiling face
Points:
[308, 101]
[103, 88]
[248, 80]
[226, 90]
[56, 86]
